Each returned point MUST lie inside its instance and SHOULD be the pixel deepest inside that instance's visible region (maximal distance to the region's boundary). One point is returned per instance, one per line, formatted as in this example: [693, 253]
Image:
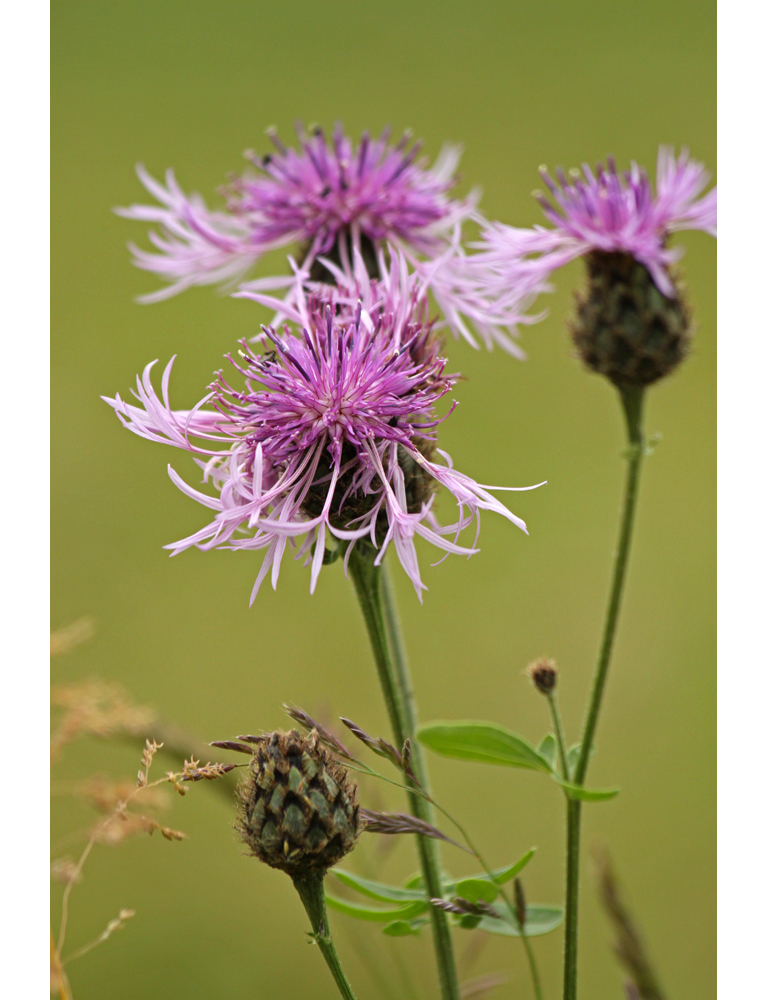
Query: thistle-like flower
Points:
[332, 438]
[632, 322]
[333, 199]
[611, 212]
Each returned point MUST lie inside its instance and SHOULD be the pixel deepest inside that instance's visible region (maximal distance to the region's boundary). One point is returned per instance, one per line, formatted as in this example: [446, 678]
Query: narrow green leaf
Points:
[539, 920]
[378, 890]
[548, 748]
[375, 912]
[500, 875]
[588, 794]
[403, 928]
[468, 921]
[415, 881]
[476, 889]
[485, 742]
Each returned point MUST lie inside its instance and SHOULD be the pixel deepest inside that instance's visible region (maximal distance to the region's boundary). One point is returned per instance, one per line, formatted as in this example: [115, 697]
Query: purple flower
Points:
[608, 211]
[334, 200]
[332, 438]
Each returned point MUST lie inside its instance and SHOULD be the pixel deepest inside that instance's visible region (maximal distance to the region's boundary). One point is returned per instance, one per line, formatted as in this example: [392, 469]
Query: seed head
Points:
[298, 807]
[543, 673]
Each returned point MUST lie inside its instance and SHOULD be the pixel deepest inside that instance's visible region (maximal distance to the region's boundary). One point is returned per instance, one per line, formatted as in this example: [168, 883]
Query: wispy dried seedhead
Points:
[97, 708]
[65, 639]
[105, 794]
[124, 824]
[114, 925]
[194, 772]
[150, 749]
[382, 747]
[629, 947]
[64, 870]
[397, 823]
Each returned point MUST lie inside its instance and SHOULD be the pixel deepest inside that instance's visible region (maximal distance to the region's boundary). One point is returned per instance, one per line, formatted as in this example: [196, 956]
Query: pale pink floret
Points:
[608, 211]
[350, 395]
[330, 196]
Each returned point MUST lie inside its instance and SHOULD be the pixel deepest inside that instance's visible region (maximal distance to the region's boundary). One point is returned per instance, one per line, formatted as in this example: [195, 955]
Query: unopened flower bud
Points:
[543, 674]
[625, 328]
[298, 806]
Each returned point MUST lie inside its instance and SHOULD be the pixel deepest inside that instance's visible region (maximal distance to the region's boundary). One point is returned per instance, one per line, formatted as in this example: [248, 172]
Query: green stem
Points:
[631, 399]
[312, 893]
[396, 642]
[533, 967]
[559, 732]
[572, 860]
[400, 704]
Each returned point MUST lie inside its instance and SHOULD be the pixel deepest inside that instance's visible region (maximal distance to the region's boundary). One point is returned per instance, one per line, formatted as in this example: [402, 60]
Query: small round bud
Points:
[543, 674]
[298, 807]
[624, 327]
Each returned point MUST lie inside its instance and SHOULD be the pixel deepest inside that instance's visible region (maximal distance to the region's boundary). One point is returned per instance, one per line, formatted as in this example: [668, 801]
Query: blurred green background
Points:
[191, 85]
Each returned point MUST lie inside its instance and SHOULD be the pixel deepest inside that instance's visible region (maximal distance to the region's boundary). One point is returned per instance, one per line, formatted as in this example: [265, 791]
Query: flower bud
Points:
[624, 327]
[298, 807]
[543, 674]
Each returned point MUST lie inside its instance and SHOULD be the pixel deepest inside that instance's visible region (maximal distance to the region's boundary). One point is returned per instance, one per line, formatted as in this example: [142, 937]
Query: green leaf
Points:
[375, 912]
[588, 794]
[476, 889]
[548, 748]
[415, 881]
[402, 928]
[485, 742]
[468, 921]
[500, 875]
[539, 920]
[378, 890]
[574, 755]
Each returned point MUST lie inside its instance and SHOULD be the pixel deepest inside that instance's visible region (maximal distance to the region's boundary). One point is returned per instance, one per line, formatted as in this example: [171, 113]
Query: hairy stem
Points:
[377, 607]
[631, 398]
[312, 893]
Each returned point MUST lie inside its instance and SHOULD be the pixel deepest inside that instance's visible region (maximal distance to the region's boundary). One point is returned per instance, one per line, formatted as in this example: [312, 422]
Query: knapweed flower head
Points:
[328, 197]
[609, 211]
[632, 322]
[334, 200]
[332, 439]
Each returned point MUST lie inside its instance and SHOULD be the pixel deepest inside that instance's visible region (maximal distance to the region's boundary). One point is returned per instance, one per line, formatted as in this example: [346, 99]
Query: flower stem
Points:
[559, 732]
[312, 893]
[533, 966]
[631, 399]
[376, 602]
